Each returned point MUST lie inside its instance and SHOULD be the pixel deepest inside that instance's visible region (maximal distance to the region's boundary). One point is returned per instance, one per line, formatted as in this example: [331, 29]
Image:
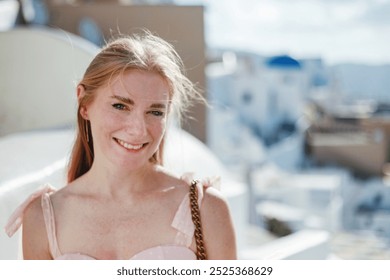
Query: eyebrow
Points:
[131, 102]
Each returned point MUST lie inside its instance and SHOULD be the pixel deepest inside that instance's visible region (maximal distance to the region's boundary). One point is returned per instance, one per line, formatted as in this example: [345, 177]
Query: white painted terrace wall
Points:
[39, 68]
[302, 245]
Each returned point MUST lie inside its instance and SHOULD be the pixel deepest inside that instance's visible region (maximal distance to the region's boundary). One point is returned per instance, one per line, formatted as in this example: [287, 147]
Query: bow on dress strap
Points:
[16, 219]
[214, 181]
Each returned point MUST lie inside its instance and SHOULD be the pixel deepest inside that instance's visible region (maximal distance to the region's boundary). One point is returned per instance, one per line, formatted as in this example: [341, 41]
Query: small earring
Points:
[87, 130]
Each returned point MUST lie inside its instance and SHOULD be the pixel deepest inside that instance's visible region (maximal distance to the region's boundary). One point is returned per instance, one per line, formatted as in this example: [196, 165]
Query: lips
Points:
[128, 146]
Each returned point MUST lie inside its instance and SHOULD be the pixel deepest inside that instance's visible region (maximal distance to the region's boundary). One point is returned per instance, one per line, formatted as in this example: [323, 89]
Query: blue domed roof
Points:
[283, 61]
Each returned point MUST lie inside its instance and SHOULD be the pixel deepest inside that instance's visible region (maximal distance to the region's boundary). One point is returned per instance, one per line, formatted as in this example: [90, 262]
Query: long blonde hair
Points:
[140, 51]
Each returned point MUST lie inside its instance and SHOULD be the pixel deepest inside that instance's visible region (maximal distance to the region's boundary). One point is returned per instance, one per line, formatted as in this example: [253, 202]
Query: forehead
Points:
[140, 84]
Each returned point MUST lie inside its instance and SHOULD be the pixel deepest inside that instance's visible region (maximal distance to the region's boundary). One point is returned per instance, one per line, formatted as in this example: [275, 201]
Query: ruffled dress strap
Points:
[48, 215]
[16, 219]
[182, 221]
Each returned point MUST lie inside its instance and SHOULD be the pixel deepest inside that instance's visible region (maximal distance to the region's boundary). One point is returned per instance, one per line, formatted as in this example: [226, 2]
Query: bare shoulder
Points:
[168, 179]
[65, 195]
[217, 226]
[35, 242]
[33, 213]
[214, 204]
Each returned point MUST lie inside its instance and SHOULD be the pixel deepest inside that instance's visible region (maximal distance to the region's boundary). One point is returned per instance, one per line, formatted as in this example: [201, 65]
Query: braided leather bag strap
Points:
[195, 214]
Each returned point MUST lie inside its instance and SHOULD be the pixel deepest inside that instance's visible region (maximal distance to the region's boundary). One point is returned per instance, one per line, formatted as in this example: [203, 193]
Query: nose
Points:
[136, 125]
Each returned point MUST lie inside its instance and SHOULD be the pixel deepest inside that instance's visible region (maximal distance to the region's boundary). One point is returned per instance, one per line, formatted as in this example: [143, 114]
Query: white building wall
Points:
[250, 98]
[220, 83]
[290, 87]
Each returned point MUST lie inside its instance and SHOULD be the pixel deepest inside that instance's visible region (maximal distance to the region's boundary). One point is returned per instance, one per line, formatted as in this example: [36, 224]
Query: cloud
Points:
[378, 14]
[336, 30]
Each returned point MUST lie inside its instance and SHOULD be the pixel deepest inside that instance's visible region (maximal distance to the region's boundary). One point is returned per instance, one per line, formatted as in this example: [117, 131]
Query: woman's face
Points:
[128, 118]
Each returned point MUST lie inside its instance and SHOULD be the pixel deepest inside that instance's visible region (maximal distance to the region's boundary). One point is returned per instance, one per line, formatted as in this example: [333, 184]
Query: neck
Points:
[116, 182]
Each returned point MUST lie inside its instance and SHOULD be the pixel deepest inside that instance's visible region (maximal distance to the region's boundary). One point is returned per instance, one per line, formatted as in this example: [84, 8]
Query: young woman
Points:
[120, 203]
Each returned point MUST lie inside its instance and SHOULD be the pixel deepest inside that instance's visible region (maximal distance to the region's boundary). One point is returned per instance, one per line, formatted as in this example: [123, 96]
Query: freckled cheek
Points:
[158, 127]
[110, 122]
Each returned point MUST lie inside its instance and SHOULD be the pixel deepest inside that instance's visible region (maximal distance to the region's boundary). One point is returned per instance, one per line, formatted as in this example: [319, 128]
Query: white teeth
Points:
[129, 146]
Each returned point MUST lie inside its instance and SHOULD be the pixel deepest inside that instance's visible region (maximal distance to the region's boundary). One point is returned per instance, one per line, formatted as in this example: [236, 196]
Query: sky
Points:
[338, 31]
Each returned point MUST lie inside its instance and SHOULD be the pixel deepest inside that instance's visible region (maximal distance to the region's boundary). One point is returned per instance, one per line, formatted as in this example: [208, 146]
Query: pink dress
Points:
[182, 223]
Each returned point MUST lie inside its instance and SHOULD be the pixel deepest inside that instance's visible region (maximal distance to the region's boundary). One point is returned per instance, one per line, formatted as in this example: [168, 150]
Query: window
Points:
[247, 97]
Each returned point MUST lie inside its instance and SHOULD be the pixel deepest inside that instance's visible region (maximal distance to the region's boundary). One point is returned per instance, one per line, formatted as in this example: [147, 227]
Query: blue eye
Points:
[119, 106]
[157, 113]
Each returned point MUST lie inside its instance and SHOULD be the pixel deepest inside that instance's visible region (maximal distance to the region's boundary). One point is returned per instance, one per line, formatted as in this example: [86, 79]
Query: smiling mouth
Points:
[129, 146]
